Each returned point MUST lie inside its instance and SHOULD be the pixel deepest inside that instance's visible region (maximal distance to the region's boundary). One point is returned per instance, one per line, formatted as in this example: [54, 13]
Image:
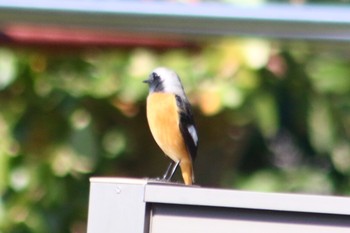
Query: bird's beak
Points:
[150, 79]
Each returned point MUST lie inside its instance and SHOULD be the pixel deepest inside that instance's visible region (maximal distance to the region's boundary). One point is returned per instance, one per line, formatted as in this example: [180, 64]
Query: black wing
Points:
[187, 126]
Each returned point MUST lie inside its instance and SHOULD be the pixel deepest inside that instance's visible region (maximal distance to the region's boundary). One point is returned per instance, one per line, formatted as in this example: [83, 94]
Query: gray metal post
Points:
[117, 205]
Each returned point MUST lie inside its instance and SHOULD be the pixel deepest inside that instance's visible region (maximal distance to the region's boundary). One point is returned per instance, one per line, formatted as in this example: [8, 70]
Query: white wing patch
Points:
[192, 131]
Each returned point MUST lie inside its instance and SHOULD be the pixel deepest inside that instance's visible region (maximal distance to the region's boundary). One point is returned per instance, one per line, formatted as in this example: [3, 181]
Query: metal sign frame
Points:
[146, 206]
[317, 22]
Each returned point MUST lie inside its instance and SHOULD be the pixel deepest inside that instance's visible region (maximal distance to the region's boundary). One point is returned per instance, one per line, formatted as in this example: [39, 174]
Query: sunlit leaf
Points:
[80, 119]
[63, 160]
[141, 64]
[114, 143]
[232, 96]
[20, 178]
[7, 67]
[256, 53]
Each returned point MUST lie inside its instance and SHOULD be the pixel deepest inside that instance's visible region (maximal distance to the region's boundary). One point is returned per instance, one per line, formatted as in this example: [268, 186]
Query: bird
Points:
[170, 119]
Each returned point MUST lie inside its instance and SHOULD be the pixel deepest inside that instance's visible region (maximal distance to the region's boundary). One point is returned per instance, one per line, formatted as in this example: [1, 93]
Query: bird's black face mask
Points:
[155, 83]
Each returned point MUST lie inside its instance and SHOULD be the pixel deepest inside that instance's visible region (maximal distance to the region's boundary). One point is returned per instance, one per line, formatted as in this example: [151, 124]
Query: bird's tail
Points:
[187, 172]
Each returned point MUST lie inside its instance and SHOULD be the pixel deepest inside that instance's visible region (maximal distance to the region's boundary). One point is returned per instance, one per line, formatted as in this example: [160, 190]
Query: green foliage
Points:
[271, 117]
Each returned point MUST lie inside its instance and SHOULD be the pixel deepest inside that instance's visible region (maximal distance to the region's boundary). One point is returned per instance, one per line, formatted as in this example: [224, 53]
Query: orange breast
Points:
[163, 119]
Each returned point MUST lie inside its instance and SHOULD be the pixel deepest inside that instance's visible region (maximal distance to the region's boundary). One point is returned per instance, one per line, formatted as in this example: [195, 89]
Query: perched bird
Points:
[171, 122]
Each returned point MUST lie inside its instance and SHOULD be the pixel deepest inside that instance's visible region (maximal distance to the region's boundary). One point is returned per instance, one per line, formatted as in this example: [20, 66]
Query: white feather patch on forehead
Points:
[171, 81]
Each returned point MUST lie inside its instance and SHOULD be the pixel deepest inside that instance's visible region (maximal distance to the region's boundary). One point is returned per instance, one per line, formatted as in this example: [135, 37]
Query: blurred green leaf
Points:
[265, 111]
[69, 115]
[263, 181]
[341, 156]
[303, 180]
[330, 74]
[321, 125]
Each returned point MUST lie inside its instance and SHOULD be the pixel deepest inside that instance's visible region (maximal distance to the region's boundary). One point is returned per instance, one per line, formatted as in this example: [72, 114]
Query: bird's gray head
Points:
[165, 80]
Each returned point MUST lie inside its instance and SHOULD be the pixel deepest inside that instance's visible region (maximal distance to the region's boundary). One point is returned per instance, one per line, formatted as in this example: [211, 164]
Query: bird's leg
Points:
[170, 170]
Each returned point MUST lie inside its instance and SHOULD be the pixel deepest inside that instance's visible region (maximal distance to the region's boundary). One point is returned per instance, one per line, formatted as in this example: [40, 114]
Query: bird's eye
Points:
[155, 77]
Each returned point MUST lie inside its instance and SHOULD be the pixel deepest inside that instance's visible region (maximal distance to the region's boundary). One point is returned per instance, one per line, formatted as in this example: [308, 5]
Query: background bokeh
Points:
[271, 115]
